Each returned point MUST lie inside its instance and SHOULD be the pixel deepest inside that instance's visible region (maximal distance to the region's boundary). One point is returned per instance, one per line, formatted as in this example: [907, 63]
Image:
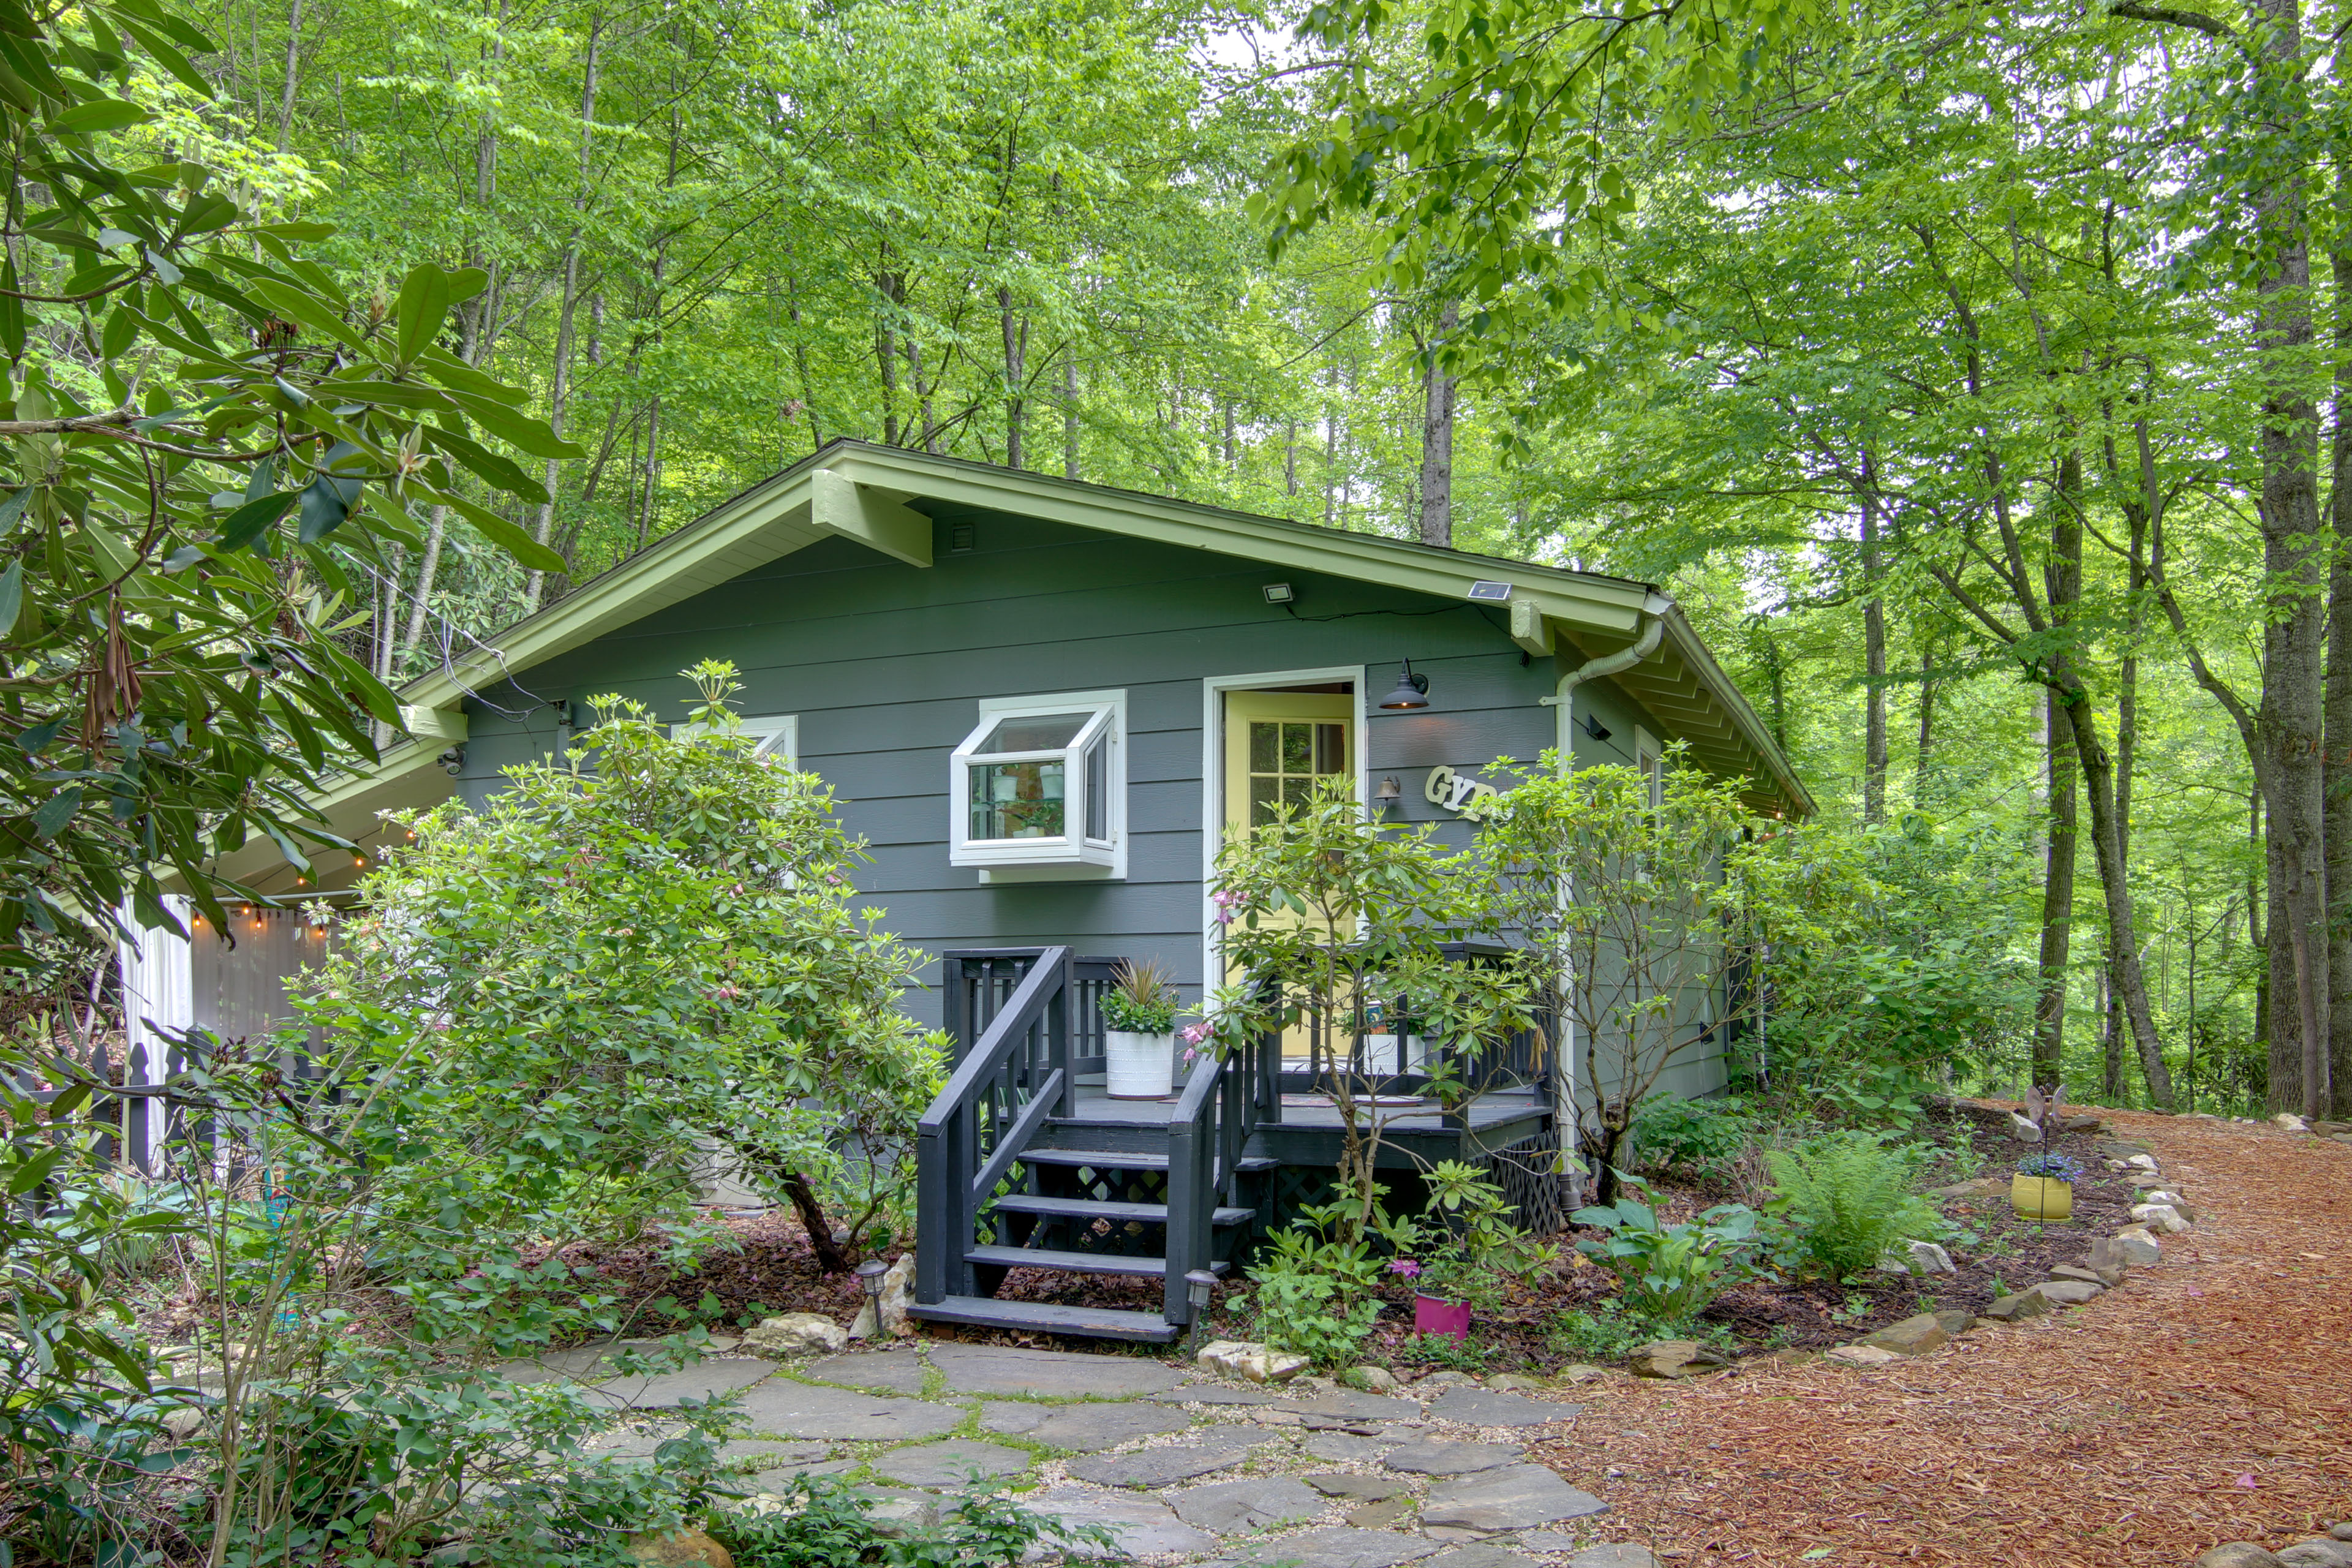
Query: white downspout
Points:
[1565, 1115]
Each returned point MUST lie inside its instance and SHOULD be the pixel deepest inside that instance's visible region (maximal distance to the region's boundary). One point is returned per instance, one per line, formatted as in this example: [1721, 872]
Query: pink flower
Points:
[1226, 899]
[1405, 1268]
[1195, 1034]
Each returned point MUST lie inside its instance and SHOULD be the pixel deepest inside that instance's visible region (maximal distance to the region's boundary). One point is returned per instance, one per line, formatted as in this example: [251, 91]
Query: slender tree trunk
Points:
[1016, 350]
[2057, 894]
[1922, 789]
[1070, 414]
[2098, 777]
[830, 1257]
[1437, 436]
[1290, 456]
[293, 63]
[559, 394]
[2337, 768]
[2262, 913]
[1873, 660]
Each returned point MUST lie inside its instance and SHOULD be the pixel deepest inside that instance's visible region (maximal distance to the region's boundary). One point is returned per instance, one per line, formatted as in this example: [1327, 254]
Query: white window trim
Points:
[1072, 857]
[1646, 750]
[778, 735]
[1212, 775]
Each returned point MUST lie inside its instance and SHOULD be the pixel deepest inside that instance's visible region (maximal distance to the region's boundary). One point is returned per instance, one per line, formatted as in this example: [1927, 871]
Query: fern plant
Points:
[1849, 1199]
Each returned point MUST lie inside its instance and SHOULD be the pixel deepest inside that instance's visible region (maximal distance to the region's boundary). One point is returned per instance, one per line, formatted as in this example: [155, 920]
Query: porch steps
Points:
[1099, 1208]
[1075, 1262]
[1099, 1323]
[1124, 1160]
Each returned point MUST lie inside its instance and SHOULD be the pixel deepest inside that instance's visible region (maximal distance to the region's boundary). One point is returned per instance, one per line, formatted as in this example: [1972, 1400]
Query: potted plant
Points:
[1468, 1251]
[2044, 1187]
[1139, 1032]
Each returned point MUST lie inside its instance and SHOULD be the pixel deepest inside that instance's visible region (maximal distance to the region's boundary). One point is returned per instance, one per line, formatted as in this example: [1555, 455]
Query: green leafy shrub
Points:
[1669, 1272]
[1141, 1000]
[1464, 1245]
[1306, 1313]
[1849, 1199]
[1698, 1137]
[824, 1524]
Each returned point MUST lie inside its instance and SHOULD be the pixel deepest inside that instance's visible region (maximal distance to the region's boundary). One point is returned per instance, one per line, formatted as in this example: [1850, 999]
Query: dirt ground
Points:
[2210, 1399]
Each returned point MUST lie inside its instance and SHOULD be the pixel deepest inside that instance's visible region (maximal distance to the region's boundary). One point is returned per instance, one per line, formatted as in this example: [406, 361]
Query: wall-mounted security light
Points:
[1279, 594]
[452, 761]
[1412, 692]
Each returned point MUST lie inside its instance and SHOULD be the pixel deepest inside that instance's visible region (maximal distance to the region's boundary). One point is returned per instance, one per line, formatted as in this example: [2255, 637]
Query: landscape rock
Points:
[183, 1422]
[1372, 1379]
[2138, 1245]
[2321, 1552]
[2237, 1554]
[2291, 1122]
[1379, 1515]
[1447, 1379]
[2016, 1309]
[1144, 1527]
[2022, 1130]
[1677, 1358]
[1955, 1322]
[2141, 1162]
[1339, 1548]
[1861, 1355]
[679, 1549]
[1156, 1468]
[1520, 1497]
[1255, 1362]
[2069, 1293]
[2109, 1259]
[2160, 1216]
[898, 1291]
[2081, 1124]
[1346, 1405]
[796, 1333]
[894, 1511]
[1510, 1382]
[1239, 1507]
[2331, 1129]
[1619, 1554]
[1435, 1459]
[2340, 1531]
[2122, 1148]
[1912, 1336]
[2167, 1196]
[1337, 1449]
[2076, 1272]
[1919, 1258]
[862, 1326]
[1492, 1407]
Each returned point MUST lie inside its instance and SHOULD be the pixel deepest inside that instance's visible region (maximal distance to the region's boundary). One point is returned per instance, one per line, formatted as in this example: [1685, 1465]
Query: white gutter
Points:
[1565, 1115]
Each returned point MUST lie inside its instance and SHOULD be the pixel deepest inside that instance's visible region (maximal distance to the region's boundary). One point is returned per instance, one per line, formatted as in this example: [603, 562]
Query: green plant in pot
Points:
[1465, 1252]
[1139, 1015]
[2044, 1187]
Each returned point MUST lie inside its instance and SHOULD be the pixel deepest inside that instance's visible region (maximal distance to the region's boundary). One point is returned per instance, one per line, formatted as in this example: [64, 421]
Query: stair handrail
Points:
[952, 1180]
[1193, 1184]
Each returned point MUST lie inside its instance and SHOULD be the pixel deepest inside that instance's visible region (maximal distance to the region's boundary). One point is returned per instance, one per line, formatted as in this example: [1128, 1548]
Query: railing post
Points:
[1059, 1019]
[1184, 1196]
[933, 1214]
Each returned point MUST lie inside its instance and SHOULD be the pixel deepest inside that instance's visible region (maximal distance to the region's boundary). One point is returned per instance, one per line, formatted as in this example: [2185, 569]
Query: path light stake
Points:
[869, 1280]
[1198, 1283]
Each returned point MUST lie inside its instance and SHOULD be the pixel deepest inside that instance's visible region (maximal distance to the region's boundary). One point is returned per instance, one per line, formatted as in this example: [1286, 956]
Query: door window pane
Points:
[1287, 756]
[1265, 747]
[1016, 800]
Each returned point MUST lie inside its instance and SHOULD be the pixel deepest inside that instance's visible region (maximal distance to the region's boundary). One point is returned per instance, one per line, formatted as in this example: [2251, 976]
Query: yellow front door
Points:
[1277, 745]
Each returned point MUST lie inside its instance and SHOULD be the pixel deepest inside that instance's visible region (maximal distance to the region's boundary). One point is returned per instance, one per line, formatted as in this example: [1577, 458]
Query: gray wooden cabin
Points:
[896, 617]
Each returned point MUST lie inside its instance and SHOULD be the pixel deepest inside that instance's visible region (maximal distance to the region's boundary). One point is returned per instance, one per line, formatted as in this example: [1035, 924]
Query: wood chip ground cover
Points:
[2209, 1400]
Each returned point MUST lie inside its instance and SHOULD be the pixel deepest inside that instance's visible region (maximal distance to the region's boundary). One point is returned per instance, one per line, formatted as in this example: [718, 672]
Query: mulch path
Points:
[2208, 1400]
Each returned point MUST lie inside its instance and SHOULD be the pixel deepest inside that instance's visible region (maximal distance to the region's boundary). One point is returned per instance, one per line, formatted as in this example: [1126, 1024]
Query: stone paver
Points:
[765, 1455]
[1347, 1405]
[895, 1512]
[1340, 1548]
[1142, 1527]
[1485, 1407]
[1382, 1514]
[877, 1372]
[783, 1408]
[1212, 1395]
[1616, 1554]
[1363, 1488]
[664, 1390]
[951, 1464]
[1435, 1459]
[1519, 1498]
[1239, 1507]
[777, 1478]
[1482, 1554]
[1222, 1450]
[1091, 1428]
[996, 1369]
[1339, 1449]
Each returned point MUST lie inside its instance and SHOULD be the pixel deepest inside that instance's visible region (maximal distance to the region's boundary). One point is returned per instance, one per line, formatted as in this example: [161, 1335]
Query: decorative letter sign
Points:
[1455, 792]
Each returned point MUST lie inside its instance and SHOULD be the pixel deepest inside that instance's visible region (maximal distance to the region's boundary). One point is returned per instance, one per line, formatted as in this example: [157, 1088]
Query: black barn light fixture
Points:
[1411, 691]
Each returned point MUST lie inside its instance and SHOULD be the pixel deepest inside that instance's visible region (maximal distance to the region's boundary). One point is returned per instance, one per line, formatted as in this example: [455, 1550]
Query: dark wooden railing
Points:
[1224, 1102]
[1017, 1072]
[1524, 1060]
[974, 982]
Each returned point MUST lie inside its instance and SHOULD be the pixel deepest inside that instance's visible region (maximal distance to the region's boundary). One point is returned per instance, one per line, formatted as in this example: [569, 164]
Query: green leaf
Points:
[505, 534]
[535, 437]
[248, 522]
[55, 812]
[168, 56]
[121, 332]
[424, 305]
[99, 114]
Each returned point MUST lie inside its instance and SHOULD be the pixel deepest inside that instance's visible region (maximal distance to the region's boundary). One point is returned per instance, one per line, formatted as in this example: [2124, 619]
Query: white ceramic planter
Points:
[1139, 1066]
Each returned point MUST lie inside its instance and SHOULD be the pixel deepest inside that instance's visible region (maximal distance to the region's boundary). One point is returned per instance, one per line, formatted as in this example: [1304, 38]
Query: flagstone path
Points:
[1179, 1467]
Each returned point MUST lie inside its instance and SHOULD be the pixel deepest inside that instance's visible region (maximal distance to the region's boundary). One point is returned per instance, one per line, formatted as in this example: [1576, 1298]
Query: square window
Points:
[1037, 789]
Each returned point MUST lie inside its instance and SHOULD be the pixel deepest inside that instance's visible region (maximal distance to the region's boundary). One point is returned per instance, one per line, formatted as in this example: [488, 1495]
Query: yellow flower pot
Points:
[2041, 1197]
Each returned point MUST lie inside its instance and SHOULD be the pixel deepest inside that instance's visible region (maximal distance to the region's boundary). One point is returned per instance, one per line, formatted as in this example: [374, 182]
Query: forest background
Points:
[1951, 372]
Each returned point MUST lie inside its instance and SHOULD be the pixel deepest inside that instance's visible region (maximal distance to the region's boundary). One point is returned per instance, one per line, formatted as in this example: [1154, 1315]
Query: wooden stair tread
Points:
[1101, 1208]
[1114, 1160]
[1074, 1262]
[1099, 1323]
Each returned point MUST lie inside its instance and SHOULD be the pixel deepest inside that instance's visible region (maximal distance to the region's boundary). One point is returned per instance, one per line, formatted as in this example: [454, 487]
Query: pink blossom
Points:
[1196, 1035]
[1405, 1268]
[1225, 899]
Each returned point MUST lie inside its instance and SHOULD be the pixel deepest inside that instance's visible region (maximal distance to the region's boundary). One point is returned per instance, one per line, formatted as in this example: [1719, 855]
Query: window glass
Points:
[1016, 800]
[1047, 733]
[1287, 756]
[1099, 789]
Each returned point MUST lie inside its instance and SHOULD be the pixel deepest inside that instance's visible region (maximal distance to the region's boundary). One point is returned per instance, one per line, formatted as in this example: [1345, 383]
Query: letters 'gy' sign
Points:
[1457, 792]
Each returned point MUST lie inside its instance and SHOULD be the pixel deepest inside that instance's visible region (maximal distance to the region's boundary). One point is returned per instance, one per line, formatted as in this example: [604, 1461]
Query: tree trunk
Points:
[1922, 788]
[2131, 986]
[830, 1257]
[2337, 768]
[1016, 352]
[2057, 895]
[1874, 663]
[1437, 437]
[1070, 414]
[559, 393]
[293, 62]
